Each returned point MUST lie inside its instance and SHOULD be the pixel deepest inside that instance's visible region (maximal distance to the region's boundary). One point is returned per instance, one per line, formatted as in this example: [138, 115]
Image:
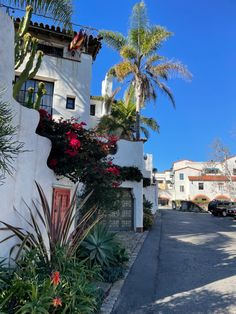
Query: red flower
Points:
[56, 302]
[55, 278]
[71, 153]
[53, 163]
[115, 184]
[78, 126]
[113, 170]
[44, 114]
[71, 135]
[75, 143]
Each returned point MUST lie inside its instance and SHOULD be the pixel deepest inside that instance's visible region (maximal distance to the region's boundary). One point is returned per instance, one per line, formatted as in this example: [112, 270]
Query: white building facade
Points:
[199, 182]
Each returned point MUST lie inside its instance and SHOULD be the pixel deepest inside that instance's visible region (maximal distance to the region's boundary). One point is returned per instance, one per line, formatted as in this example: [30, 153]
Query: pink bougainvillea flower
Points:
[53, 162]
[56, 302]
[71, 153]
[110, 163]
[115, 184]
[75, 143]
[55, 278]
[113, 139]
[44, 114]
[71, 135]
[78, 126]
[113, 170]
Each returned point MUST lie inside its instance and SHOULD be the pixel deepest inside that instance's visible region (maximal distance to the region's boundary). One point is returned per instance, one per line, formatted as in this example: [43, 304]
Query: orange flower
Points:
[55, 278]
[56, 302]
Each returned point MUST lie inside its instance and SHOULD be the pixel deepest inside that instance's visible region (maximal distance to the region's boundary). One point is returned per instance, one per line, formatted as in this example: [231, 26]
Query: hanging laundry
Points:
[77, 41]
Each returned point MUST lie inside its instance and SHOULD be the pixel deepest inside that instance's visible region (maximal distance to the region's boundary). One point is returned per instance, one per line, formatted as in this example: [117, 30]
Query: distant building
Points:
[199, 182]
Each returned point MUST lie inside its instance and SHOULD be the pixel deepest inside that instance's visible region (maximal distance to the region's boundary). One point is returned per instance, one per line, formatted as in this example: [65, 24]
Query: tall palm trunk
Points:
[139, 100]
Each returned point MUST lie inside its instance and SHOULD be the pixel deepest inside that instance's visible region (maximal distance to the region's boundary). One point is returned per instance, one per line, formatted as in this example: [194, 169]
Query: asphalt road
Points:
[187, 265]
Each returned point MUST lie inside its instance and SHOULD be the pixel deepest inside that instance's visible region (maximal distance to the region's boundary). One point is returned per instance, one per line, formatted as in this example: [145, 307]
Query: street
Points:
[186, 265]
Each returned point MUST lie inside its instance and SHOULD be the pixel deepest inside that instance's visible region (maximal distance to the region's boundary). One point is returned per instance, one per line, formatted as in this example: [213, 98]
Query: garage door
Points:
[122, 219]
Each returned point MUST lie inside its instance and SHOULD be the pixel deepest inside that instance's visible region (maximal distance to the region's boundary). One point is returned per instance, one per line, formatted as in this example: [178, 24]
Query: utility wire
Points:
[47, 17]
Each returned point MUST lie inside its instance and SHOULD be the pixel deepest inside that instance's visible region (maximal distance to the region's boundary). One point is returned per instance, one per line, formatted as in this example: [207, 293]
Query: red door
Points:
[61, 202]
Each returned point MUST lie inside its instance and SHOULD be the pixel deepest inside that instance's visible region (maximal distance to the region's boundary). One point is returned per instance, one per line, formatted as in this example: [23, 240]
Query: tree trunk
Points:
[138, 94]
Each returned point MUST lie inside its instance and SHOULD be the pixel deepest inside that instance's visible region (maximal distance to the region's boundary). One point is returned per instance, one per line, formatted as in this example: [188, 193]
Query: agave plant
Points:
[99, 246]
[46, 234]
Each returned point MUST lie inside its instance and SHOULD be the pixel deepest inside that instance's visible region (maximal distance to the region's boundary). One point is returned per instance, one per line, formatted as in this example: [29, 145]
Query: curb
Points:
[110, 300]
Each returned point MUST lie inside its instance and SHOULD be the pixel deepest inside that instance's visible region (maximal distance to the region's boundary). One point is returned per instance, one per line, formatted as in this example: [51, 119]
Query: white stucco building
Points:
[67, 76]
[199, 182]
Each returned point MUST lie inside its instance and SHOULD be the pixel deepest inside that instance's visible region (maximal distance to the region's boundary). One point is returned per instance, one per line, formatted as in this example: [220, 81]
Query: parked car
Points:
[220, 207]
[231, 211]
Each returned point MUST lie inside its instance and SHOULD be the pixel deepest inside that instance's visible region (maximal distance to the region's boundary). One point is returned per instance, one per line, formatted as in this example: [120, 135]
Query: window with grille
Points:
[181, 176]
[47, 99]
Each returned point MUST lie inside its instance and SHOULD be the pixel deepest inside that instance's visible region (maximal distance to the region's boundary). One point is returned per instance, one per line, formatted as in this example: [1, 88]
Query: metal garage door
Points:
[122, 219]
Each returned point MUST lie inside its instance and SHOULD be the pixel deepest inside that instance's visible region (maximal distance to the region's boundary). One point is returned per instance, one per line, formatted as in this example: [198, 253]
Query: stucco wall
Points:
[71, 79]
[151, 194]
[30, 165]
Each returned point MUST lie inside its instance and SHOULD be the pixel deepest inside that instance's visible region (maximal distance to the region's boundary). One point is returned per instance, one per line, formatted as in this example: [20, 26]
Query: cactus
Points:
[41, 91]
[26, 47]
[35, 104]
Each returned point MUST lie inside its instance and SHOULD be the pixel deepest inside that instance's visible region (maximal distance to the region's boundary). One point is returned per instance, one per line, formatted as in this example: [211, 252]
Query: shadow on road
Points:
[193, 270]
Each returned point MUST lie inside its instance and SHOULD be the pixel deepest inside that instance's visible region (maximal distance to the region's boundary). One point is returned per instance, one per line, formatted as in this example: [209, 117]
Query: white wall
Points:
[129, 154]
[151, 194]
[30, 165]
[71, 79]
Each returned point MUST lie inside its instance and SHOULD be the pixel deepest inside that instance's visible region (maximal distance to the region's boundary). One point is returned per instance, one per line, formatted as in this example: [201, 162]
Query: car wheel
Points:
[214, 214]
[224, 214]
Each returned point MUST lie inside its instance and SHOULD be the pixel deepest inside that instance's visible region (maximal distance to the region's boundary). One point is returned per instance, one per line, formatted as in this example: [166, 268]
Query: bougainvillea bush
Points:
[81, 155]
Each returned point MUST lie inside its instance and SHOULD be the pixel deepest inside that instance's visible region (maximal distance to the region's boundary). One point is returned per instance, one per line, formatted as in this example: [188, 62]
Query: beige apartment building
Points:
[199, 182]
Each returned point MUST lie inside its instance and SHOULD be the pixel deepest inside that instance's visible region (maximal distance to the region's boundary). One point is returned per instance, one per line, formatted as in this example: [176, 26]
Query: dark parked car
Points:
[220, 207]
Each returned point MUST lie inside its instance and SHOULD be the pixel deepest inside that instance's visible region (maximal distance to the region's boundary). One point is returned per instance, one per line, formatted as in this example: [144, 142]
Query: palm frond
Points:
[151, 123]
[59, 10]
[153, 38]
[128, 52]
[123, 69]
[139, 18]
[170, 69]
[114, 40]
[145, 131]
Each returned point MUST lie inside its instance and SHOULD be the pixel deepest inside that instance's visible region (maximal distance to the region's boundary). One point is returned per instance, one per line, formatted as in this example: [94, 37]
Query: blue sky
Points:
[205, 40]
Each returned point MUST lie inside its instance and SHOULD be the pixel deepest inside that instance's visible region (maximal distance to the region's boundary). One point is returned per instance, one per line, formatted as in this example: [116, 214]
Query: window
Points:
[234, 171]
[50, 50]
[70, 103]
[92, 110]
[221, 187]
[200, 186]
[181, 176]
[181, 188]
[47, 99]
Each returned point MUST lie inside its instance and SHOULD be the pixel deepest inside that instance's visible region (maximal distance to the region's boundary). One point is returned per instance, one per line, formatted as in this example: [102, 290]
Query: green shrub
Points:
[113, 273]
[148, 218]
[33, 288]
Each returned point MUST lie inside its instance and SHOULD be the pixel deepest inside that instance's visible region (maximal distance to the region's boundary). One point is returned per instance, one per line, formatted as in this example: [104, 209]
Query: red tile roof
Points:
[211, 178]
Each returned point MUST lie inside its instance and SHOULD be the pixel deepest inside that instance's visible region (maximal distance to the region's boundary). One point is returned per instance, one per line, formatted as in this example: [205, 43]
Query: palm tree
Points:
[140, 62]
[60, 10]
[122, 117]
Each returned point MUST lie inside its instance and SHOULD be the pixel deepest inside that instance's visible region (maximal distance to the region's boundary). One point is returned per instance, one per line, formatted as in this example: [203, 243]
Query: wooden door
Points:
[61, 202]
